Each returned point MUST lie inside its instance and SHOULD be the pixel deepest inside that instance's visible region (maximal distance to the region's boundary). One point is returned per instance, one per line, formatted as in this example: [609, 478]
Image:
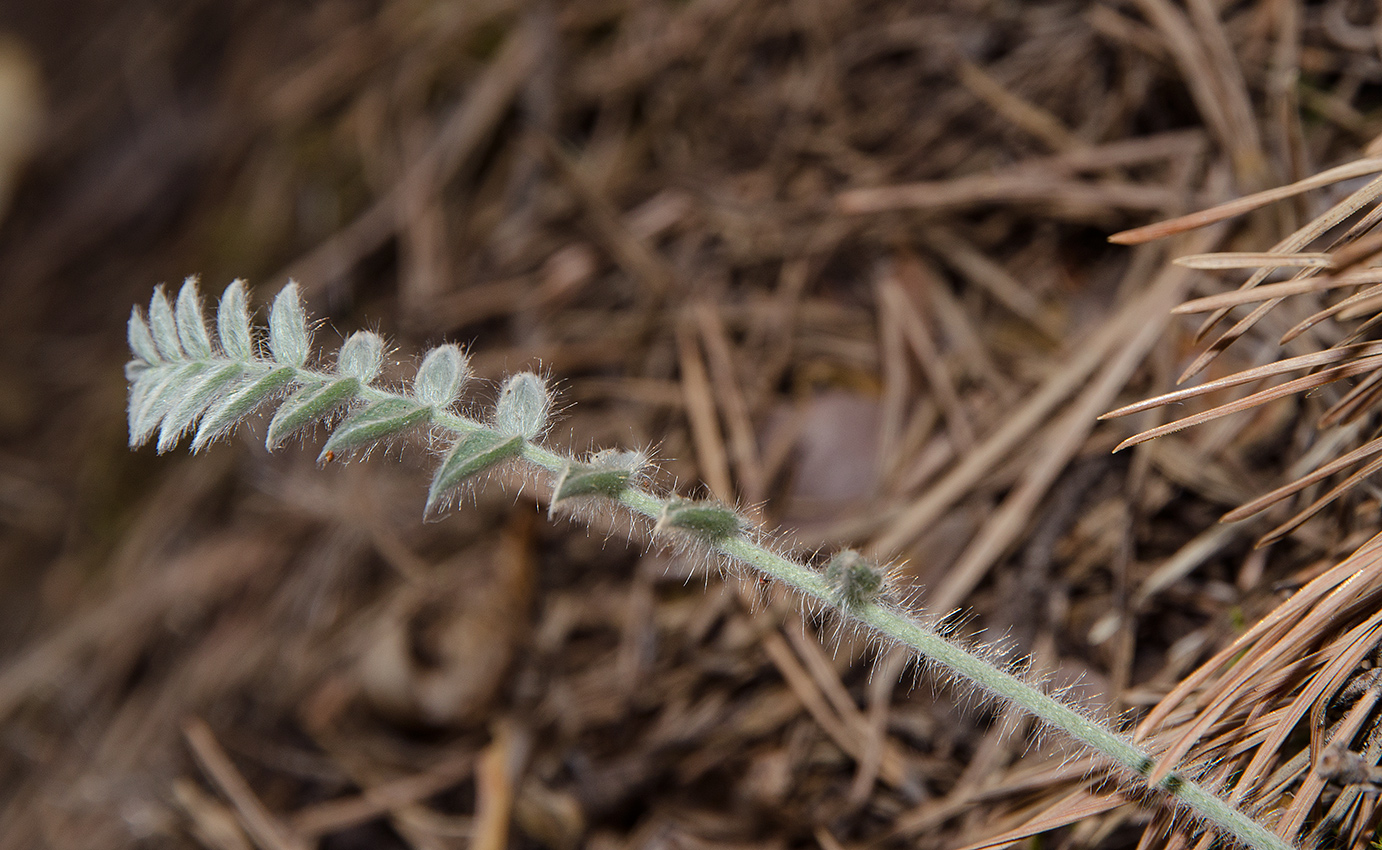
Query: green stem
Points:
[897, 626]
[932, 646]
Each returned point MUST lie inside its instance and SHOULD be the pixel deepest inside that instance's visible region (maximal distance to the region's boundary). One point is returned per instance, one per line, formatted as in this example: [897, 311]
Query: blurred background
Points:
[841, 263]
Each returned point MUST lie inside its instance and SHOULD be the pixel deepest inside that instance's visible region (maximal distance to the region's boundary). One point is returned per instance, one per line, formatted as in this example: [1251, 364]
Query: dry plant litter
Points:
[737, 231]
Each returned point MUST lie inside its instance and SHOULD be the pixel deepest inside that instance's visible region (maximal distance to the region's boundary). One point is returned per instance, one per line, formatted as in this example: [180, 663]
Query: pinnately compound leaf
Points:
[196, 397]
[440, 377]
[306, 406]
[375, 422]
[289, 338]
[522, 407]
[709, 520]
[473, 454]
[191, 323]
[239, 403]
[164, 327]
[856, 582]
[361, 357]
[233, 323]
[141, 341]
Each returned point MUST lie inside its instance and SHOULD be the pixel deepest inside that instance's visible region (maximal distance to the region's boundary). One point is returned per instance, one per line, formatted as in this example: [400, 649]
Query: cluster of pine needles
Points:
[1316, 655]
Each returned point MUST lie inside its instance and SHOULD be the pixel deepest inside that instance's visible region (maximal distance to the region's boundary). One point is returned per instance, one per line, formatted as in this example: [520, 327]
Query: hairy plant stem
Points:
[900, 628]
[177, 376]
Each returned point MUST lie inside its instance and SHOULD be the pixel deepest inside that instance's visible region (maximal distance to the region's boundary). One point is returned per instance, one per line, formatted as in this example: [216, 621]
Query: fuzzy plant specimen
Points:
[185, 380]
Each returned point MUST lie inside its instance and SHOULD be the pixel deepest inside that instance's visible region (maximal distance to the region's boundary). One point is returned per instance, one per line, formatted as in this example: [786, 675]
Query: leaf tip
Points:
[443, 372]
[523, 407]
[233, 322]
[141, 340]
[361, 357]
[290, 338]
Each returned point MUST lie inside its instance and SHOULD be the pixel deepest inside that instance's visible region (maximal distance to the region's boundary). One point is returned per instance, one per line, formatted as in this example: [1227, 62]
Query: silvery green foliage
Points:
[524, 404]
[191, 324]
[373, 422]
[307, 405]
[473, 453]
[441, 376]
[290, 339]
[607, 473]
[361, 357]
[165, 326]
[233, 323]
[182, 380]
